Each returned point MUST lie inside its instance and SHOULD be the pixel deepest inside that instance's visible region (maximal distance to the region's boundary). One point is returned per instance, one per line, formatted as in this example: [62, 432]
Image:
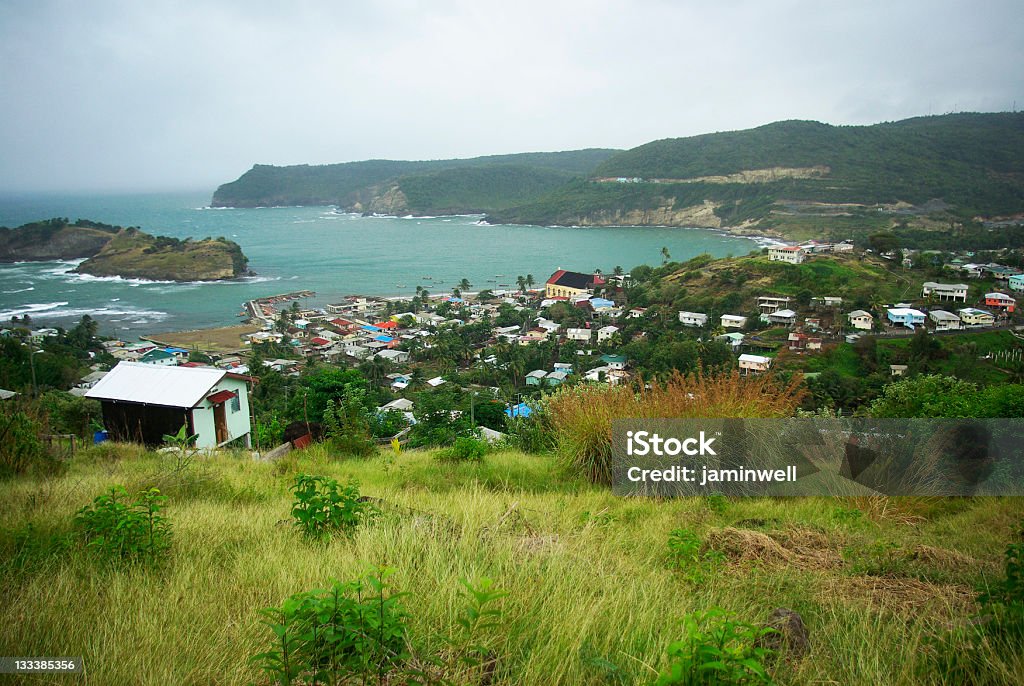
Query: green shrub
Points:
[347, 425]
[387, 424]
[323, 507]
[532, 434]
[117, 530]
[717, 503]
[348, 633]
[716, 650]
[686, 554]
[464, 450]
[21, 450]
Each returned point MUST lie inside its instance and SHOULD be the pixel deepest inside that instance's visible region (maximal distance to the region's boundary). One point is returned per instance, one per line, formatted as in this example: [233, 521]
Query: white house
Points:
[784, 317]
[734, 339]
[1017, 282]
[944, 321]
[972, 317]
[395, 356]
[754, 364]
[952, 292]
[578, 334]
[861, 319]
[768, 304]
[143, 402]
[733, 321]
[693, 319]
[792, 254]
[606, 332]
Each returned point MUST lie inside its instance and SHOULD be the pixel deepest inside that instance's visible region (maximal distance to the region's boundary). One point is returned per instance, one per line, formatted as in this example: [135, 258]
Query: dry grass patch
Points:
[796, 547]
[904, 597]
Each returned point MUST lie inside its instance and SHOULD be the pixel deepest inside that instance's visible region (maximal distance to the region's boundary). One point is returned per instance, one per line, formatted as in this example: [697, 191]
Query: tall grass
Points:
[591, 599]
[582, 415]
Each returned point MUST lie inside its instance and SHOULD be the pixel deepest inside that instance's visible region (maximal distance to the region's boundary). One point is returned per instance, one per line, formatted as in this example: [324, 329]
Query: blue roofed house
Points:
[520, 410]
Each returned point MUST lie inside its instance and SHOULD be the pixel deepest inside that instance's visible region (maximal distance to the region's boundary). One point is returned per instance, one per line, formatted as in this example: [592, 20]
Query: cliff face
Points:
[133, 254]
[382, 200]
[698, 216]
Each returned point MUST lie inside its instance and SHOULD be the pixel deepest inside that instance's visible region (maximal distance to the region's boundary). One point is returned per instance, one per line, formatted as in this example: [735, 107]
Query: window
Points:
[236, 404]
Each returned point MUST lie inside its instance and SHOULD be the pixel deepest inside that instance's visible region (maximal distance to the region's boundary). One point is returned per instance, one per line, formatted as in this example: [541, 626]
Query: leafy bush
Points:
[347, 425]
[438, 419]
[464, 450]
[323, 507]
[69, 414]
[347, 633]
[21, 451]
[387, 424]
[532, 434]
[716, 650]
[116, 530]
[686, 554]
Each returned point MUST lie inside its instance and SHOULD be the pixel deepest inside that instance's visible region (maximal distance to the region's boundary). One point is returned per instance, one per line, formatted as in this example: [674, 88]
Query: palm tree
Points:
[617, 271]
[665, 255]
[521, 281]
[530, 281]
[456, 292]
[465, 285]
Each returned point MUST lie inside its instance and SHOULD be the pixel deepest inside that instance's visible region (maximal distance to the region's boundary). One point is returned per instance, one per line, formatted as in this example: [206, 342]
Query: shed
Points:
[143, 402]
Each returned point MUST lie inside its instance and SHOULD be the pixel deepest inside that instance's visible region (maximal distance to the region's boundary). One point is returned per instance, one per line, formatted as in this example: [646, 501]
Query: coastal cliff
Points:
[125, 252]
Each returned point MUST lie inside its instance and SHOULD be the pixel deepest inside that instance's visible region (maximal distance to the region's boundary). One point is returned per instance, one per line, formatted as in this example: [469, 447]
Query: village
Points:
[512, 346]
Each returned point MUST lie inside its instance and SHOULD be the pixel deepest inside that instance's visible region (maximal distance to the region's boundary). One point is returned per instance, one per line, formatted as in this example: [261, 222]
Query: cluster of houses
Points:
[797, 254]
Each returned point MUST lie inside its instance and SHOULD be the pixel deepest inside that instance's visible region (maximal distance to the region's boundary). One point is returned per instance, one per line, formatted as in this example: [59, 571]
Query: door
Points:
[220, 423]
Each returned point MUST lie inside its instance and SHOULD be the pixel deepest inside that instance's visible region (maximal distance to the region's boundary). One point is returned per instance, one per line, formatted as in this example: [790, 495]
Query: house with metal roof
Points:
[143, 402]
[944, 321]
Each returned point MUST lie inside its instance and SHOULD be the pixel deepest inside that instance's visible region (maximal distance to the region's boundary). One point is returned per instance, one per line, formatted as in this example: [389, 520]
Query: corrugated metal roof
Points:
[149, 384]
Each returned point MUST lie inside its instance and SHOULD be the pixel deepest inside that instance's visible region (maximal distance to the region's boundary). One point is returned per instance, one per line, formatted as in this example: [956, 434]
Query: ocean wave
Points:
[118, 279]
[57, 310]
[20, 290]
[30, 309]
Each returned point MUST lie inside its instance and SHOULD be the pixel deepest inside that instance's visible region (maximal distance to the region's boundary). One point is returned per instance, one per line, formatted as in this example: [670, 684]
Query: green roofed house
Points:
[159, 357]
[615, 361]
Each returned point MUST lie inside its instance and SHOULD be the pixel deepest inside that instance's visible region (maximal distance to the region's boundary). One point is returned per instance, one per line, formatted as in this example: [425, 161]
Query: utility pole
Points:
[32, 364]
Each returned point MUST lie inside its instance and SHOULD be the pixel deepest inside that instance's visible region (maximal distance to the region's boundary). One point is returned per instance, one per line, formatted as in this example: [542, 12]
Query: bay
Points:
[314, 248]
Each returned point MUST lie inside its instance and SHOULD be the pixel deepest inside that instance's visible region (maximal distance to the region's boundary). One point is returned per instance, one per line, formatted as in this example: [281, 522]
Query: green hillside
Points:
[126, 252]
[134, 254]
[54, 239]
[479, 183]
[805, 178]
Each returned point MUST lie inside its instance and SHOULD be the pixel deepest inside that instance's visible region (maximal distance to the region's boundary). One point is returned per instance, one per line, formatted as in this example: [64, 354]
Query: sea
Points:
[321, 249]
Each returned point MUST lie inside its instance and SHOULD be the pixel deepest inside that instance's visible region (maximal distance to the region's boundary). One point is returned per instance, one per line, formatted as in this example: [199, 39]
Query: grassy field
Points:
[224, 339]
[591, 599]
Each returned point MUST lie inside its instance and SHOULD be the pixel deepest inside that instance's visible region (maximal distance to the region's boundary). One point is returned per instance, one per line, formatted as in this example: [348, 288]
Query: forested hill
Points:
[110, 250]
[434, 186]
[795, 176]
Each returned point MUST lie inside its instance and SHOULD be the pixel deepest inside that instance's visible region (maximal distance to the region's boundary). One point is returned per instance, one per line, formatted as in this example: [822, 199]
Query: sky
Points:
[127, 95]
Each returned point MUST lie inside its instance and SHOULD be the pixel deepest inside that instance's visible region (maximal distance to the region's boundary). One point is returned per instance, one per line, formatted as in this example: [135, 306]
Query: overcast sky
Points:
[174, 95]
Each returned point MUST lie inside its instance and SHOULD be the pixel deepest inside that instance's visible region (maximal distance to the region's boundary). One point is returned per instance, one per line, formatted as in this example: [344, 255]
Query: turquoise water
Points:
[315, 248]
